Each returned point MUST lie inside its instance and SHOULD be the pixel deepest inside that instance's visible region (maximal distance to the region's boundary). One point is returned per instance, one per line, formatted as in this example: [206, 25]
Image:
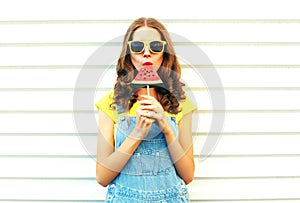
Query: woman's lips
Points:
[147, 64]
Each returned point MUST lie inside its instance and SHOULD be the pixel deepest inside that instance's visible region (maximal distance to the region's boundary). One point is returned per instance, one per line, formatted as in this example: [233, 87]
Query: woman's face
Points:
[146, 57]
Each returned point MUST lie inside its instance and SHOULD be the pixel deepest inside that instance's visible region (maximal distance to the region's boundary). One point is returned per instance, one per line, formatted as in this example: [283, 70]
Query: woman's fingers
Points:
[149, 108]
[144, 118]
[148, 100]
[149, 115]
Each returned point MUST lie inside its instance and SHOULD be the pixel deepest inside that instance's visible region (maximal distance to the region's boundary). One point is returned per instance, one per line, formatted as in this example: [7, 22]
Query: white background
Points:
[254, 46]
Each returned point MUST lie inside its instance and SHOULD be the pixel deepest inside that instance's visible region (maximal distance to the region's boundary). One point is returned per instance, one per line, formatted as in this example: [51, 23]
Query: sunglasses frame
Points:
[147, 43]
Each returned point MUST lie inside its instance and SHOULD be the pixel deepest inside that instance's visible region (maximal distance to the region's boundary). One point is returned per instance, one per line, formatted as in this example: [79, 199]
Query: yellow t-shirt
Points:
[104, 104]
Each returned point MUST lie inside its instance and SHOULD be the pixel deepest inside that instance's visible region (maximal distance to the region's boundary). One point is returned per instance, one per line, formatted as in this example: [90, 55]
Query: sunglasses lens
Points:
[137, 46]
[156, 46]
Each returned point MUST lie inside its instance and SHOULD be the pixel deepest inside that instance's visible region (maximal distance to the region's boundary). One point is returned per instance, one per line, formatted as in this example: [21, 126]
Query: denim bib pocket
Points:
[149, 162]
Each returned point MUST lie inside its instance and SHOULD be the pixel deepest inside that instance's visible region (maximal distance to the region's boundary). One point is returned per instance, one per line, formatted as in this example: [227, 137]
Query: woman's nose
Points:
[146, 51]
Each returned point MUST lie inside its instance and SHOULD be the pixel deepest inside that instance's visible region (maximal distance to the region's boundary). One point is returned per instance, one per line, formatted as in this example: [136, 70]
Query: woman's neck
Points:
[143, 91]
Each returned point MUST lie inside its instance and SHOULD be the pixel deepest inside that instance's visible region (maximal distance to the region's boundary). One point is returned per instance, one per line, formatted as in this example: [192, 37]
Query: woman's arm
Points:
[181, 150]
[110, 161]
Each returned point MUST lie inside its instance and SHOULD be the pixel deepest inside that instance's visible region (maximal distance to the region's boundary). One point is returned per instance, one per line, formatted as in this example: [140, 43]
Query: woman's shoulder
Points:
[186, 106]
[104, 104]
[105, 101]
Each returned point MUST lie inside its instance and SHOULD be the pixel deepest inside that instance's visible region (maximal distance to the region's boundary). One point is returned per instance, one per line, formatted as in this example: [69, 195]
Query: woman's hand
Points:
[143, 124]
[152, 109]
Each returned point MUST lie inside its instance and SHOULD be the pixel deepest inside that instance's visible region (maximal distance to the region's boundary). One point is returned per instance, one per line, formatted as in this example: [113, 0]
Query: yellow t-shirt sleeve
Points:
[187, 106]
[104, 105]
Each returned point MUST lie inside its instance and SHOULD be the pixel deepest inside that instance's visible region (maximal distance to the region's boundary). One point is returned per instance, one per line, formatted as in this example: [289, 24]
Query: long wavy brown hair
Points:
[169, 72]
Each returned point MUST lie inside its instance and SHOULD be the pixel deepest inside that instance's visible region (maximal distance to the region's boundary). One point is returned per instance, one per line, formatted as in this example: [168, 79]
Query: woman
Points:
[145, 151]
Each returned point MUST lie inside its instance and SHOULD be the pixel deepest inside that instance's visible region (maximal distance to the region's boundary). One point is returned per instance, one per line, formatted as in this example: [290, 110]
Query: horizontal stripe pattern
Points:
[254, 53]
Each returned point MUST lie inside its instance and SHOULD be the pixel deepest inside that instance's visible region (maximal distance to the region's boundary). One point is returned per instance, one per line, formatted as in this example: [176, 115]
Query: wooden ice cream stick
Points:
[148, 91]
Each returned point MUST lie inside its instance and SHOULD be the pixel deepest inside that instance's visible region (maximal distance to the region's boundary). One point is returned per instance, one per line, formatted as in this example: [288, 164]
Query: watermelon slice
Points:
[147, 75]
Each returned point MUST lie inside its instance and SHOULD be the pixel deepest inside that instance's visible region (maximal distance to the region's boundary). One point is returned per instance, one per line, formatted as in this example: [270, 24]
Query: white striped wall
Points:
[254, 46]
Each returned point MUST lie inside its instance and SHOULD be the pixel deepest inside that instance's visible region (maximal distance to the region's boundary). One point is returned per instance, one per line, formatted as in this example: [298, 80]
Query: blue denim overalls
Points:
[149, 176]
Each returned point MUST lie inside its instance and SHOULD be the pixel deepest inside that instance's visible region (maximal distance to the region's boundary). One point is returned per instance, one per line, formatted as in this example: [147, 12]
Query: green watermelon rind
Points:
[147, 82]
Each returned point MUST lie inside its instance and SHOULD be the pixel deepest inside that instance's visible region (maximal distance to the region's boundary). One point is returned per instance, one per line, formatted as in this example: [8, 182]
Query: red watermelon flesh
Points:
[147, 76]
